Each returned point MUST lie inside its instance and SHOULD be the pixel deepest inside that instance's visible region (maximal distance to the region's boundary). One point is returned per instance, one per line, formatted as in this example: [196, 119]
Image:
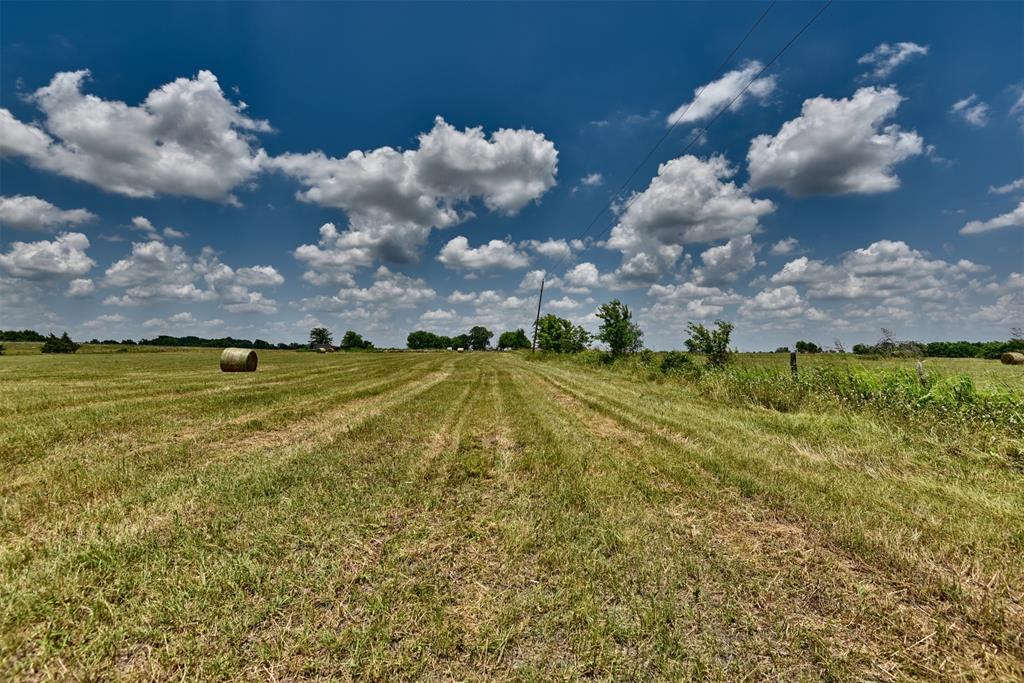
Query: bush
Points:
[560, 335]
[618, 330]
[515, 339]
[807, 347]
[675, 362]
[352, 341]
[714, 344]
[63, 344]
[1, 349]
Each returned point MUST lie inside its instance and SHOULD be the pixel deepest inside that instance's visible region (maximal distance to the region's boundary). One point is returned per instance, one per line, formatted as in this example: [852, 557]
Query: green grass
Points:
[479, 516]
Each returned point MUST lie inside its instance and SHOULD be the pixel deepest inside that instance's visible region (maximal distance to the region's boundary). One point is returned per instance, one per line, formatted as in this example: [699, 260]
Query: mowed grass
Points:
[478, 516]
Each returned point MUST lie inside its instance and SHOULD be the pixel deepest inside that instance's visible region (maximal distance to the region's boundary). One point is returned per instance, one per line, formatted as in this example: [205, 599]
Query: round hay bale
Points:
[1012, 358]
[238, 360]
[459, 350]
[321, 350]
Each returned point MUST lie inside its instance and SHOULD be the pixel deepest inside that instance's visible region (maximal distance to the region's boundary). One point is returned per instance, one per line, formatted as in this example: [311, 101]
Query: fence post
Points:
[792, 363]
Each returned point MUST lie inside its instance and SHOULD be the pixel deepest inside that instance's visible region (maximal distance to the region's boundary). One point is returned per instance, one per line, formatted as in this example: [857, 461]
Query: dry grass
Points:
[475, 516]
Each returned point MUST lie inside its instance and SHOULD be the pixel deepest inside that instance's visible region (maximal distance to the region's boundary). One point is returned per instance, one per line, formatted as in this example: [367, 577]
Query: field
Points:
[479, 516]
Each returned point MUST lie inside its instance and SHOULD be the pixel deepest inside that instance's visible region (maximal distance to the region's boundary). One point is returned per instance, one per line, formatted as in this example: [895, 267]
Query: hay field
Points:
[480, 516]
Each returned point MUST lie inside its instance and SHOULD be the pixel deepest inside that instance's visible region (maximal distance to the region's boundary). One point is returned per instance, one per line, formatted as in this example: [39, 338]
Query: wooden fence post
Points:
[792, 363]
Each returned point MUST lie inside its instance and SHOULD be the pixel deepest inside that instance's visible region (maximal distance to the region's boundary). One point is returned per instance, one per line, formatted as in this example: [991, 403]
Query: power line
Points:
[698, 132]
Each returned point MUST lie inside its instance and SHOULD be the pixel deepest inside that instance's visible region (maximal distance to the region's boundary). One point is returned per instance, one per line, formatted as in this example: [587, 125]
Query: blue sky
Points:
[255, 170]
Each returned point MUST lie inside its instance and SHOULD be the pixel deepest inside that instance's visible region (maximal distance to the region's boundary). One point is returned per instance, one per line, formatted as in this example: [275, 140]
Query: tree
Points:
[353, 340]
[807, 347]
[320, 336]
[618, 330]
[782, 349]
[560, 335]
[516, 339]
[714, 344]
[59, 345]
[480, 338]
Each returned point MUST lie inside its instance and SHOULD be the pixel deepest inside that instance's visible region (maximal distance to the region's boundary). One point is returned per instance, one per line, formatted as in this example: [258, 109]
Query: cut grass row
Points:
[476, 516]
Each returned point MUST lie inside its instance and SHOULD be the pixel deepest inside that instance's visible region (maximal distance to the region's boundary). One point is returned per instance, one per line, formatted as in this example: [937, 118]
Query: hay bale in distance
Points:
[1012, 358]
[238, 360]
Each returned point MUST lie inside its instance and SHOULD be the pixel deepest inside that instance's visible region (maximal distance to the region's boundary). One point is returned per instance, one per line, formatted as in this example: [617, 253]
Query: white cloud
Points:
[458, 297]
[185, 139]
[1013, 219]
[172, 234]
[394, 198]
[884, 270]
[835, 147]
[1015, 186]
[710, 98]
[971, 110]
[1018, 106]
[438, 316]
[592, 180]
[155, 270]
[25, 212]
[105, 320]
[62, 257]
[690, 200]
[779, 303]
[258, 276]
[494, 254]
[390, 290]
[784, 247]
[81, 287]
[725, 263]
[885, 58]
[582, 277]
[554, 248]
[564, 304]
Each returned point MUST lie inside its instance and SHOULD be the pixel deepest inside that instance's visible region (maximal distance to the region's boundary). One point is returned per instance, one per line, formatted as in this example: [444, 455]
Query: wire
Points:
[698, 132]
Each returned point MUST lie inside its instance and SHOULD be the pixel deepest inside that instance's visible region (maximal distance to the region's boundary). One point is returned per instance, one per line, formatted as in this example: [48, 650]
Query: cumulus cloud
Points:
[438, 316]
[554, 248]
[494, 254]
[708, 99]
[725, 263]
[389, 290]
[184, 139]
[835, 147]
[156, 270]
[779, 303]
[885, 58]
[105, 320]
[784, 247]
[690, 200]
[581, 278]
[589, 180]
[62, 257]
[25, 212]
[971, 110]
[81, 287]
[885, 270]
[1015, 186]
[394, 198]
[564, 304]
[1013, 219]
[458, 297]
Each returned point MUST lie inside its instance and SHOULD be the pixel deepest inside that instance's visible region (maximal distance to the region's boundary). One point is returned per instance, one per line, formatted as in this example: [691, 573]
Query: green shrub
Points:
[62, 344]
[675, 362]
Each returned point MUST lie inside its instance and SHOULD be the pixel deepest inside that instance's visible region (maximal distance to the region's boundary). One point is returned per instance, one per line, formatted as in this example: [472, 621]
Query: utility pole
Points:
[536, 323]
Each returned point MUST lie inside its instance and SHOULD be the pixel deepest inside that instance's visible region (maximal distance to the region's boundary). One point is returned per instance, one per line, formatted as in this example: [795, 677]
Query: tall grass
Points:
[938, 400]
